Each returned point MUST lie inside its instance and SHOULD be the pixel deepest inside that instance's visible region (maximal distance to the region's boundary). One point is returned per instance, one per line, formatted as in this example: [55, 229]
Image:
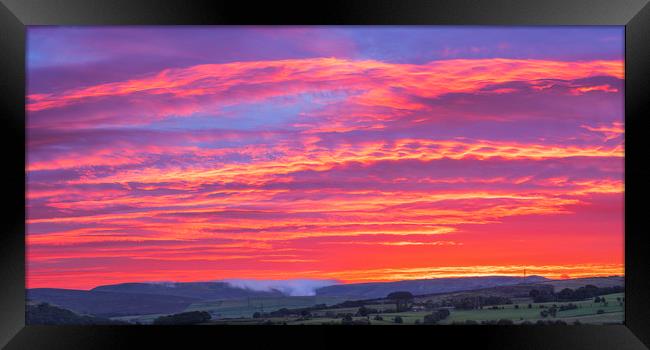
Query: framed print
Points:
[217, 170]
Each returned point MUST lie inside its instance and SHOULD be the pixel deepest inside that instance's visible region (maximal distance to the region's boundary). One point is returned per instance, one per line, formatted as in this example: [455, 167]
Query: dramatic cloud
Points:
[255, 155]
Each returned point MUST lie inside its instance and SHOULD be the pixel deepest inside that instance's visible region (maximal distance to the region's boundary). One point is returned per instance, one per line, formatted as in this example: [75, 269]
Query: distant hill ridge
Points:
[163, 298]
[224, 290]
[107, 304]
[424, 286]
[46, 314]
[198, 290]
[574, 283]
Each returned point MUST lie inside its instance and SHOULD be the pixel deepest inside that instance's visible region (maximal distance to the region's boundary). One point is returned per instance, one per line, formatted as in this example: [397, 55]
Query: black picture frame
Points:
[15, 15]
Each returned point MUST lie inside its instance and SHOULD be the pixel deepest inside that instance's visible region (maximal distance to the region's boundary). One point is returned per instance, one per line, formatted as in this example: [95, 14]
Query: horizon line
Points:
[325, 279]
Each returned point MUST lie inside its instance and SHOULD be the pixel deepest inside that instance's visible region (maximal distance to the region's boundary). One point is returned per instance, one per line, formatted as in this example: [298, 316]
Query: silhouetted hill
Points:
[422, 287]
[142, 298]
[109, 304]
[223, 290]
[46, 314]
[197, 290]
[165, 298]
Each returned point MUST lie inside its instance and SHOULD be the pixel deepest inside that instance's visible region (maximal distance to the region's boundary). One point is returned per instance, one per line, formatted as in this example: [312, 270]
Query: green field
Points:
[585, 313]
[240, 311]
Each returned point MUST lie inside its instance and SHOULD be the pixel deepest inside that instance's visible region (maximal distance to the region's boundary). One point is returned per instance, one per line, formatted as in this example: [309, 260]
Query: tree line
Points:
[567, 294]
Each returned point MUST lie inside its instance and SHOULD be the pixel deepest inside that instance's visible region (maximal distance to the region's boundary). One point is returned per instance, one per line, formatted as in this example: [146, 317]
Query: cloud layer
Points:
[326, 158]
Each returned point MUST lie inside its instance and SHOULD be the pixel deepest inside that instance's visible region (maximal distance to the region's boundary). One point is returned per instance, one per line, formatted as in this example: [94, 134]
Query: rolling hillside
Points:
[132, 299]
[579, 282]
[107, 304]
[196, 290]
[46, 314]
[420, 287]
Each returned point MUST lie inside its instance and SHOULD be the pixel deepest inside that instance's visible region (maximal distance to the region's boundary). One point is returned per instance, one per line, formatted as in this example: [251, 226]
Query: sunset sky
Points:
[348, 153]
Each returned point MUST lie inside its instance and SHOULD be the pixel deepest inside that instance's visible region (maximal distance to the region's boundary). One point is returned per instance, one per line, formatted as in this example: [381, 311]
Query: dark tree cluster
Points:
[184, 318]
[569, 306]
[305, 312]
[552, 311]
[542, 295]
[567, 294]
[401, 299]
[348, 320]
[436, 316]
[365, 311]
